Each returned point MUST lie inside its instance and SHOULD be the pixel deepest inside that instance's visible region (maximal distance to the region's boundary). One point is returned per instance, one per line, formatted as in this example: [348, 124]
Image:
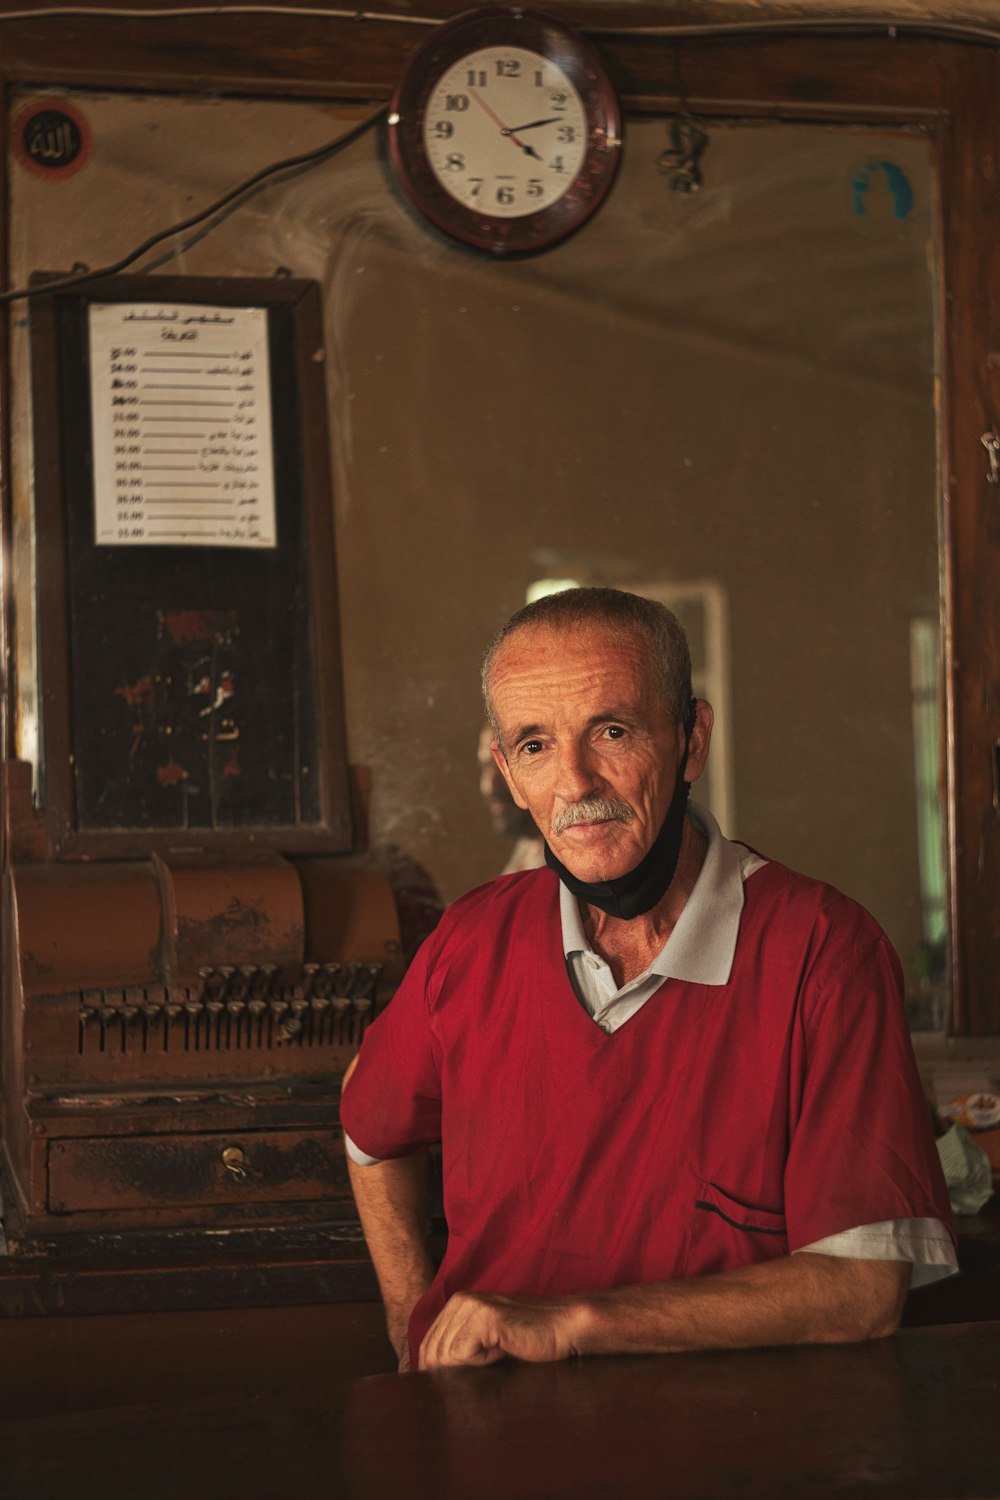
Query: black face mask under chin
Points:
[638, 890]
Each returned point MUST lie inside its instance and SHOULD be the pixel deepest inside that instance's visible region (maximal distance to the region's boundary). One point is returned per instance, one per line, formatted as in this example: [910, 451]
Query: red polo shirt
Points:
[721, 1125]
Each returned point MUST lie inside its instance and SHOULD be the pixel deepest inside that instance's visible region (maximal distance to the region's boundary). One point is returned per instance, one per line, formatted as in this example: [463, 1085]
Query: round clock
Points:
[505, 130]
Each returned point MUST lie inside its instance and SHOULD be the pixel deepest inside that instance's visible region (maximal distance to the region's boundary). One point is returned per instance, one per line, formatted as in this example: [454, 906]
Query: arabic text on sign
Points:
[180, 397]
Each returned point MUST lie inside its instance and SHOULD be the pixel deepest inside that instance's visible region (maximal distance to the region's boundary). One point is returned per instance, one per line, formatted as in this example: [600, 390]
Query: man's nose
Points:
[576, 774]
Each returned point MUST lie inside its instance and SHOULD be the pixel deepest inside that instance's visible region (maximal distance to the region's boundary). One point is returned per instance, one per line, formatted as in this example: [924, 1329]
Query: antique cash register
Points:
[192, 946]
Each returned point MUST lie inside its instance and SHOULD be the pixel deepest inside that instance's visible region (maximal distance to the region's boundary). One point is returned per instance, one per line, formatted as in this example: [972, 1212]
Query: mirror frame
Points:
[948, 88]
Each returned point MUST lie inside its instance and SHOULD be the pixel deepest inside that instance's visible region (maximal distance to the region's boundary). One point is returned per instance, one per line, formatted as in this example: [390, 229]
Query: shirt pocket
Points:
[727, 1232]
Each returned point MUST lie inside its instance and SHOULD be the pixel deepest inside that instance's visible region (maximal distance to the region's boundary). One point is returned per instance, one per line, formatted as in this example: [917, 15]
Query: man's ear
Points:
[504, 770]
[698, 744]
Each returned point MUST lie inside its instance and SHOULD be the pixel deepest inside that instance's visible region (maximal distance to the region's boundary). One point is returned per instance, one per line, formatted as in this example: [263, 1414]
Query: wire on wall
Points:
[878, 25]
[234, 195]
[173, 12]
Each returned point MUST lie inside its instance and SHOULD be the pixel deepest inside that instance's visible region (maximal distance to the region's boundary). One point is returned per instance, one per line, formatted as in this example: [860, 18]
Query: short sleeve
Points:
[861, 1146]
[392, 1103]
[925, 1243]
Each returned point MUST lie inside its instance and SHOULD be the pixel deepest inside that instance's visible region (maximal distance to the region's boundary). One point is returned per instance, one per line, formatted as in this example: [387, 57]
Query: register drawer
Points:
[132, 1172]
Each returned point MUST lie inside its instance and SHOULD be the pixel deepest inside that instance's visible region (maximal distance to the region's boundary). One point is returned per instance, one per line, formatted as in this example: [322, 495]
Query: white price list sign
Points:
[181, 404]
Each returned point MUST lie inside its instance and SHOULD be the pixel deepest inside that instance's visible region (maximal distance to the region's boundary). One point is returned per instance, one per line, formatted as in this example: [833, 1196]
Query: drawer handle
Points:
[234, 1159]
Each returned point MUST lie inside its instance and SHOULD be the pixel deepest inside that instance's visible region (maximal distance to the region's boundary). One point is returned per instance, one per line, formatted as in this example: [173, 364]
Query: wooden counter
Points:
[913, 1416]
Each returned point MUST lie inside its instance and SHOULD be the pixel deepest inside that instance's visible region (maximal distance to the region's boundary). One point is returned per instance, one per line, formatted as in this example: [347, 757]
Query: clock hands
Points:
[532, 126]
[505, 129]
[525, 77]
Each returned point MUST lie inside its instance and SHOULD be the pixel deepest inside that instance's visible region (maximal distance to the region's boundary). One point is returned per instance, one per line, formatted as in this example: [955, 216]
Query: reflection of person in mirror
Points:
[509, 820]
[675, 1093]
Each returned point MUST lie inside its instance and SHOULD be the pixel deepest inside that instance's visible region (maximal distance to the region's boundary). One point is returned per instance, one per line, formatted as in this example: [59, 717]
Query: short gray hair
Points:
[622, 614]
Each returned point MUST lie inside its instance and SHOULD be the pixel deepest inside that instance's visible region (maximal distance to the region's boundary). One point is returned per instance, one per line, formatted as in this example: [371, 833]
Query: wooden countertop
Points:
[913, 1416]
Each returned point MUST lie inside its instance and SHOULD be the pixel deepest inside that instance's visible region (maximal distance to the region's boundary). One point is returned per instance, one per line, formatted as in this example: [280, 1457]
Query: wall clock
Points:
[505, 130]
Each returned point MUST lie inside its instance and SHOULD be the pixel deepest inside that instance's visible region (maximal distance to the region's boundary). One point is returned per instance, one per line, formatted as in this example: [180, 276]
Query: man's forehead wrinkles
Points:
[560, 679]
[547, 683]
[557, 651]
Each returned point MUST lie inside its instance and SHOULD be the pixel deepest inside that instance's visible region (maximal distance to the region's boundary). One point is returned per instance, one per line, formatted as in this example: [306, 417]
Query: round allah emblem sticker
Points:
[51, 138]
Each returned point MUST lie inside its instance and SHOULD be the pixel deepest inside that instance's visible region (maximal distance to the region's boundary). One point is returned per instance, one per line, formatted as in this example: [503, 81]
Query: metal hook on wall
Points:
[681, 160]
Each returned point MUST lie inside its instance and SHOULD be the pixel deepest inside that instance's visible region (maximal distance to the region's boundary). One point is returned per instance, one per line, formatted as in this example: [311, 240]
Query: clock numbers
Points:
[505, 131]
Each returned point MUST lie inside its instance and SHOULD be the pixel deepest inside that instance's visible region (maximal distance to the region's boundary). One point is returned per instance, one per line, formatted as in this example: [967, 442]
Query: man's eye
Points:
[531, 747]
[615, 731]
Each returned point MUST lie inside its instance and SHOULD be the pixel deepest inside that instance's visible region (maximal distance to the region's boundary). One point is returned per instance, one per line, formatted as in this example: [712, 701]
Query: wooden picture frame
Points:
[143, 647]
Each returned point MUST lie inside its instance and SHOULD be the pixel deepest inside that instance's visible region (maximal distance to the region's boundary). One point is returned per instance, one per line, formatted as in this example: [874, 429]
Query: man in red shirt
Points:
[672, 1080]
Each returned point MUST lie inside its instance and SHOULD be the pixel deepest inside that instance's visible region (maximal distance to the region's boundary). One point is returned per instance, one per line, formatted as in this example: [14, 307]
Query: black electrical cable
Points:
[766, 27]
[306, 159]
[940, 30]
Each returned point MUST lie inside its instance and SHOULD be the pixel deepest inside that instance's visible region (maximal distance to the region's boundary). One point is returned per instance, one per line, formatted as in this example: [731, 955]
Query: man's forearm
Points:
[392, 1203]
[800, 1299]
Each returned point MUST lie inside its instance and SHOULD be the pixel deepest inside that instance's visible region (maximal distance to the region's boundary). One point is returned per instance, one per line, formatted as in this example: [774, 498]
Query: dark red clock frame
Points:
[496, 27]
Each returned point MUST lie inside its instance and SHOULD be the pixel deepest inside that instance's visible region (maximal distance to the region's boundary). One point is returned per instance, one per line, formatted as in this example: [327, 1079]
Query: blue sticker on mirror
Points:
[898, 184]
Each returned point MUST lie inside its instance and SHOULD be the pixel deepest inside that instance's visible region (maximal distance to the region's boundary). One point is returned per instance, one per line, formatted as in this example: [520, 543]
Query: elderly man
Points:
[672, 1079]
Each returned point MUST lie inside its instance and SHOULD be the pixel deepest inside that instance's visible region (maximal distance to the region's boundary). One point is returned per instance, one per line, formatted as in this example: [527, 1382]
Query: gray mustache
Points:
[592, 810]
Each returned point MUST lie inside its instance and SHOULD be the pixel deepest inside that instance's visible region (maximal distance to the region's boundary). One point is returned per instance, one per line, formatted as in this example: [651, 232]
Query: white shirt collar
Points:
[701, 947]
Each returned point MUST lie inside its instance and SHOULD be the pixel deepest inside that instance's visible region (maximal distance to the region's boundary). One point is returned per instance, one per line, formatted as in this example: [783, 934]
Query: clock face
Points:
[505, 130]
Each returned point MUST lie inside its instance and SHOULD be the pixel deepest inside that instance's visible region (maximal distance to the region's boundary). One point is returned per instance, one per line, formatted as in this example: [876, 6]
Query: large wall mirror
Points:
[727, 398]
